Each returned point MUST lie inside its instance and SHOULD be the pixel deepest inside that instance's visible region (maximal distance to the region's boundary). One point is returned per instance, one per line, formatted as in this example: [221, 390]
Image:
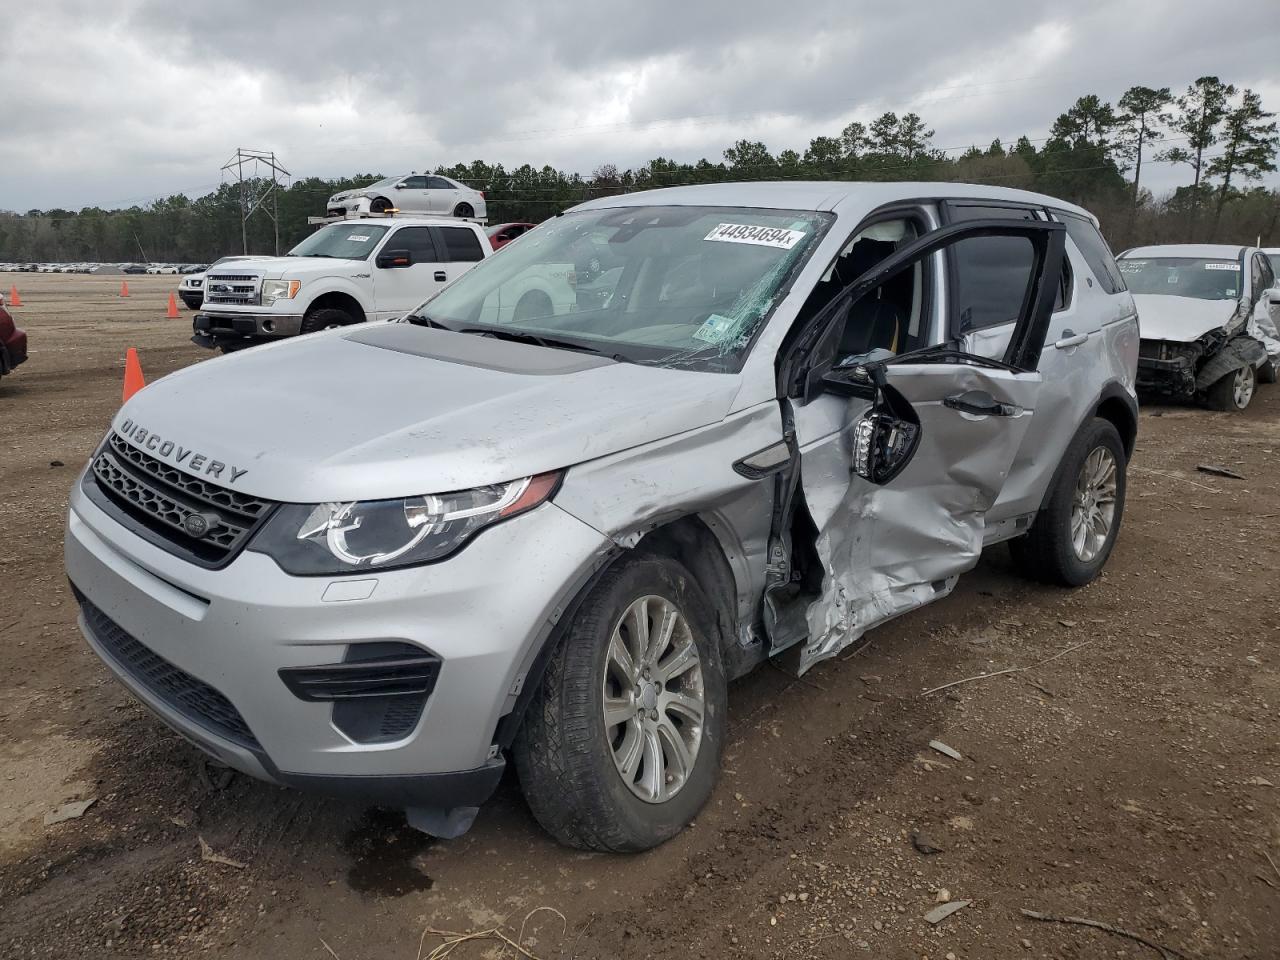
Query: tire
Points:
[1048, 552]
[533, 303]
[1267, 372]
[326, 318]
[380, 205]
[1234, 391]
[565, 753]
[464, 210]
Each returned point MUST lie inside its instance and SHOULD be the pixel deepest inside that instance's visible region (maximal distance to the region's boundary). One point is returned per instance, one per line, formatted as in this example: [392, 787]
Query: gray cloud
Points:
[109, 107]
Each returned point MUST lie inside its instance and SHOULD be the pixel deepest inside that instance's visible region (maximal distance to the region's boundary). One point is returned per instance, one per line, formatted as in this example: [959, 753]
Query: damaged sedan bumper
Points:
[1167, 368]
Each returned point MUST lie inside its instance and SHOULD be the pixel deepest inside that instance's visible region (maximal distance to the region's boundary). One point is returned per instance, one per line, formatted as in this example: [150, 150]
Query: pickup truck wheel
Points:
[1072, 537]
[464, 210]
[621, 745]
[380, 205]
[1234, 391]
[326, 318]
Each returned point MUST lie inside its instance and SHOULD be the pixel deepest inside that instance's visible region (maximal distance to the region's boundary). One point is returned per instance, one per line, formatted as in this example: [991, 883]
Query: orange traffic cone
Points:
[14, 299]
[173, 308]
[133, 381]
[124, 288]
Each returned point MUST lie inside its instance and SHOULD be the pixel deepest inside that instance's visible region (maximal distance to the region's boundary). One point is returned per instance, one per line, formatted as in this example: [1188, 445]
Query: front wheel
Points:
[1234, 391]
[1072, 537]
[380, 205]
[326, 318]
[621, 745]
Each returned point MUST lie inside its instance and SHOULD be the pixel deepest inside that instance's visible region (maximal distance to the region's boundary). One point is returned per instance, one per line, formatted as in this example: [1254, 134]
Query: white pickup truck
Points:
[346, 272]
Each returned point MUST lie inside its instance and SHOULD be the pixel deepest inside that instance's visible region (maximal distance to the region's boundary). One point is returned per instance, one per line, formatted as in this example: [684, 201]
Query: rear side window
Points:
[990, 274]
[460, 244]
[1095, 251]
[439, 183]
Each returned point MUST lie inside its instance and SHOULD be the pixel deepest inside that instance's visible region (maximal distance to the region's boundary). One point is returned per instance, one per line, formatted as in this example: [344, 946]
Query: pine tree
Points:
[1200, 111]
[1145, 112]
[1249, 148]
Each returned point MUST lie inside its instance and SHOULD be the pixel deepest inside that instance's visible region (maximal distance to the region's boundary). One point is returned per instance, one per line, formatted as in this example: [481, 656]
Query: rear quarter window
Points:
[1095, 251]
[461, 244]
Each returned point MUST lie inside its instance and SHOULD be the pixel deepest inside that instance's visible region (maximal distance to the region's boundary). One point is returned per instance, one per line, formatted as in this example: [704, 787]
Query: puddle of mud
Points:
[384, 851]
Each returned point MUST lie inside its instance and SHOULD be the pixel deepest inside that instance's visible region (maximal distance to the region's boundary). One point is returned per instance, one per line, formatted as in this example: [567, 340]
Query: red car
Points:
[13, 342]
[504, 233]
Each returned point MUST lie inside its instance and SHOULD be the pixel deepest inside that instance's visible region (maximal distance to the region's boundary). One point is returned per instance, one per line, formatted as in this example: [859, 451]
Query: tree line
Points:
[1094, 156]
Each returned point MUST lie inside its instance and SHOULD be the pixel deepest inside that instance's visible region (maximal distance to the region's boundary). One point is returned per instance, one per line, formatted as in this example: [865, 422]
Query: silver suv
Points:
[746, 421]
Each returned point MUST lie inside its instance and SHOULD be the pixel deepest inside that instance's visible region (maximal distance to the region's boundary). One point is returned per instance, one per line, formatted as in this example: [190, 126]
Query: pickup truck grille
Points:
[159, 499]
[242, 289]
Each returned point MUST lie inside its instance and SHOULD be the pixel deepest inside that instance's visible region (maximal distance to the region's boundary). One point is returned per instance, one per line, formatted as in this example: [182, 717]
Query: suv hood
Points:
[394, 410]
[274, 268]
[1180, 319]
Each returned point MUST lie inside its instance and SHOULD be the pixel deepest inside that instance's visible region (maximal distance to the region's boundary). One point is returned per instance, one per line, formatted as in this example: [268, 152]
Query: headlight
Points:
[335, 538]
[273, 290]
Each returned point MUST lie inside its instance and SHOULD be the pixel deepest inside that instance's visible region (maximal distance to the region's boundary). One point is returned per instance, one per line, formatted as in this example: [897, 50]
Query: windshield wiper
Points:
[327, 256]
[422, 320]
[524, 336]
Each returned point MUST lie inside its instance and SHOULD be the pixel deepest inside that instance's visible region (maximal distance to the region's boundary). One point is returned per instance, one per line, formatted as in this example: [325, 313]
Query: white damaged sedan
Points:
[1208, 329]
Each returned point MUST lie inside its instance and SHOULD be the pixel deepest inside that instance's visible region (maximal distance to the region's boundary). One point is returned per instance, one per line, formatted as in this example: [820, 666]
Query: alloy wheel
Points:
[654, 699]
[1093, 509]
[1242, 387]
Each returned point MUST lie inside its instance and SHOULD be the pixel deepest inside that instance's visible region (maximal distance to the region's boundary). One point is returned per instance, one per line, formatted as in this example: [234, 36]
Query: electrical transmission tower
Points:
[255, 190]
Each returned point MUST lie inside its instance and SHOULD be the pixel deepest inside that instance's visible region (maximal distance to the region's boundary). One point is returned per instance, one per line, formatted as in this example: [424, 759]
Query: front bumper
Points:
[484, 612]
[1167, 369]
[212, 329]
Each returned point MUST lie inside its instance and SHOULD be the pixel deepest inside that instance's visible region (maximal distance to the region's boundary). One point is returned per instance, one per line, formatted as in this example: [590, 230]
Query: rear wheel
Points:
[326, 318]
[1234, 391]
[380, 205]
[1072, 537]
[621, 745]
[464, 210]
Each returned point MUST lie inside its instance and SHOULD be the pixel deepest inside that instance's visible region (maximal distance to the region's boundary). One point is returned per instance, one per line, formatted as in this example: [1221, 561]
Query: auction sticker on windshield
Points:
[1223, 266]
[779, 237]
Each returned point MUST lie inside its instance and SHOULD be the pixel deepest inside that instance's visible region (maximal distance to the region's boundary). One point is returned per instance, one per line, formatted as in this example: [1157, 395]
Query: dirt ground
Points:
[1134, 780]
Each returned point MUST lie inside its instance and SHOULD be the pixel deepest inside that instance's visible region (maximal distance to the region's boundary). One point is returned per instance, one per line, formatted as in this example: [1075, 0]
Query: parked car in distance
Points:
[132, 268]
[1207, 320]
[346, 272]
[504, 233]
[391, 556]
[415, 193]
[13, 342]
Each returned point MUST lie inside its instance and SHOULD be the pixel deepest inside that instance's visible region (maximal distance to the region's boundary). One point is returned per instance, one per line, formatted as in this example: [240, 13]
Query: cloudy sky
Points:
[114, 102]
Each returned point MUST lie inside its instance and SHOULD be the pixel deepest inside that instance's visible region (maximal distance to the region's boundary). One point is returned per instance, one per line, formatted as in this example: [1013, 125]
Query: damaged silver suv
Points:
[748, 421]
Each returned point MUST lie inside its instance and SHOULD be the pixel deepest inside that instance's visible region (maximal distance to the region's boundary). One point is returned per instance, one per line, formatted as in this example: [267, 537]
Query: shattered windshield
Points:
[1183, 277]
[686, 286]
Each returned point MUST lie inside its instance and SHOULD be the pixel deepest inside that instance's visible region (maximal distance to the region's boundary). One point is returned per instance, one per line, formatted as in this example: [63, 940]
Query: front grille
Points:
[192, 698]
[161, 498]
[233, 288]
